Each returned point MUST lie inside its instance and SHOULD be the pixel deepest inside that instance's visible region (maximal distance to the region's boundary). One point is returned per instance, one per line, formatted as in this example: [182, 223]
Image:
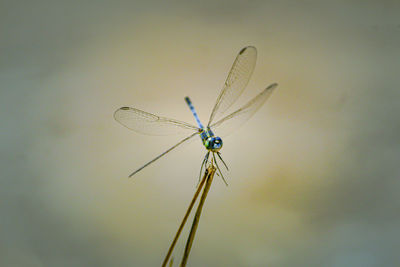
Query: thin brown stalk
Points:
[196, 194]
[210, 175]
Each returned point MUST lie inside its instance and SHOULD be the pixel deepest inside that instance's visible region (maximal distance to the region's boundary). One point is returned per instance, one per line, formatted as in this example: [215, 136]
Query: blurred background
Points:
[314, 175]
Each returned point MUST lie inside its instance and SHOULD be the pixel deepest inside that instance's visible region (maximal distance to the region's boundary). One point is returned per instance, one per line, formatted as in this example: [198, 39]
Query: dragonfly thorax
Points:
[210, 141]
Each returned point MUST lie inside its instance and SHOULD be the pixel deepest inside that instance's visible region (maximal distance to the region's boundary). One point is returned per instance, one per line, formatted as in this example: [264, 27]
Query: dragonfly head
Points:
[213, 143]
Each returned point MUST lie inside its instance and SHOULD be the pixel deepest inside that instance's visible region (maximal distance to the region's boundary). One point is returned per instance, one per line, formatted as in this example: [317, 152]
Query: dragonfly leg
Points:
[202, 165]
[216, 164]
[219, 155]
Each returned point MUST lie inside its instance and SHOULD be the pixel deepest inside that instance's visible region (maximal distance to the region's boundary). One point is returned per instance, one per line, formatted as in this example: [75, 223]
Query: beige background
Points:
[314, 177]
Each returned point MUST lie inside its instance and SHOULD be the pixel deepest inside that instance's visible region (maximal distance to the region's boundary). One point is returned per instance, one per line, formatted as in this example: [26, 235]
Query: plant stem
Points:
[196, 194]
[210, 175]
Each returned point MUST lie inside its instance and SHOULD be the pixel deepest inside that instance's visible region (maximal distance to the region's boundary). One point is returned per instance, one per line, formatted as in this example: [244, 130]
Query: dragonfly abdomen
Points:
[189, 103]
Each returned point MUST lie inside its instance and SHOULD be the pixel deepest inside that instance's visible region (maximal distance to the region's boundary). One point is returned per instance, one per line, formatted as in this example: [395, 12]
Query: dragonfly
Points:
[236, 82]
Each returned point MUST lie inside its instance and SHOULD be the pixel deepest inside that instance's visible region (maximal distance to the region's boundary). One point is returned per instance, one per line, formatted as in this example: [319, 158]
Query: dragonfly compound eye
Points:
[216, 144]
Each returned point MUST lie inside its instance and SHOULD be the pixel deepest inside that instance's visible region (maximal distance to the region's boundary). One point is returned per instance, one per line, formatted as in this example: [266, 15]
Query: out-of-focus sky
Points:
[314, 176]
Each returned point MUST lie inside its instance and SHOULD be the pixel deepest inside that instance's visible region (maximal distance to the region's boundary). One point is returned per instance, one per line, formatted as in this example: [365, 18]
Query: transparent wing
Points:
[237, 80]
[234, 120]
[162, 154]
[147, 123]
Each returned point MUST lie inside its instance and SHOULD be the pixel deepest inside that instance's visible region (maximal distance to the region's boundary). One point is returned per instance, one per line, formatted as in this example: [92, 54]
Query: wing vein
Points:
[147, 123]
[236, 82]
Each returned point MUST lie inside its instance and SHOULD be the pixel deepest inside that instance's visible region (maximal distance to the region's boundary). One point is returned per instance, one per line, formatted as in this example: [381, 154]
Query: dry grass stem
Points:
[209, 175]
[196, 194]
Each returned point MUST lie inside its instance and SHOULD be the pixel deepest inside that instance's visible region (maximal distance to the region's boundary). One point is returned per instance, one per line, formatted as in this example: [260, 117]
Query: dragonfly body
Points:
[236, 82]
[210, 141]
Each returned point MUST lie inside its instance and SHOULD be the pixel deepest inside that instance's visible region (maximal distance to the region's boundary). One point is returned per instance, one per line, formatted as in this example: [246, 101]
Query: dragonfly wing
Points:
[162, 154]
[234, 120]
[236, 82]
[147, 123]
